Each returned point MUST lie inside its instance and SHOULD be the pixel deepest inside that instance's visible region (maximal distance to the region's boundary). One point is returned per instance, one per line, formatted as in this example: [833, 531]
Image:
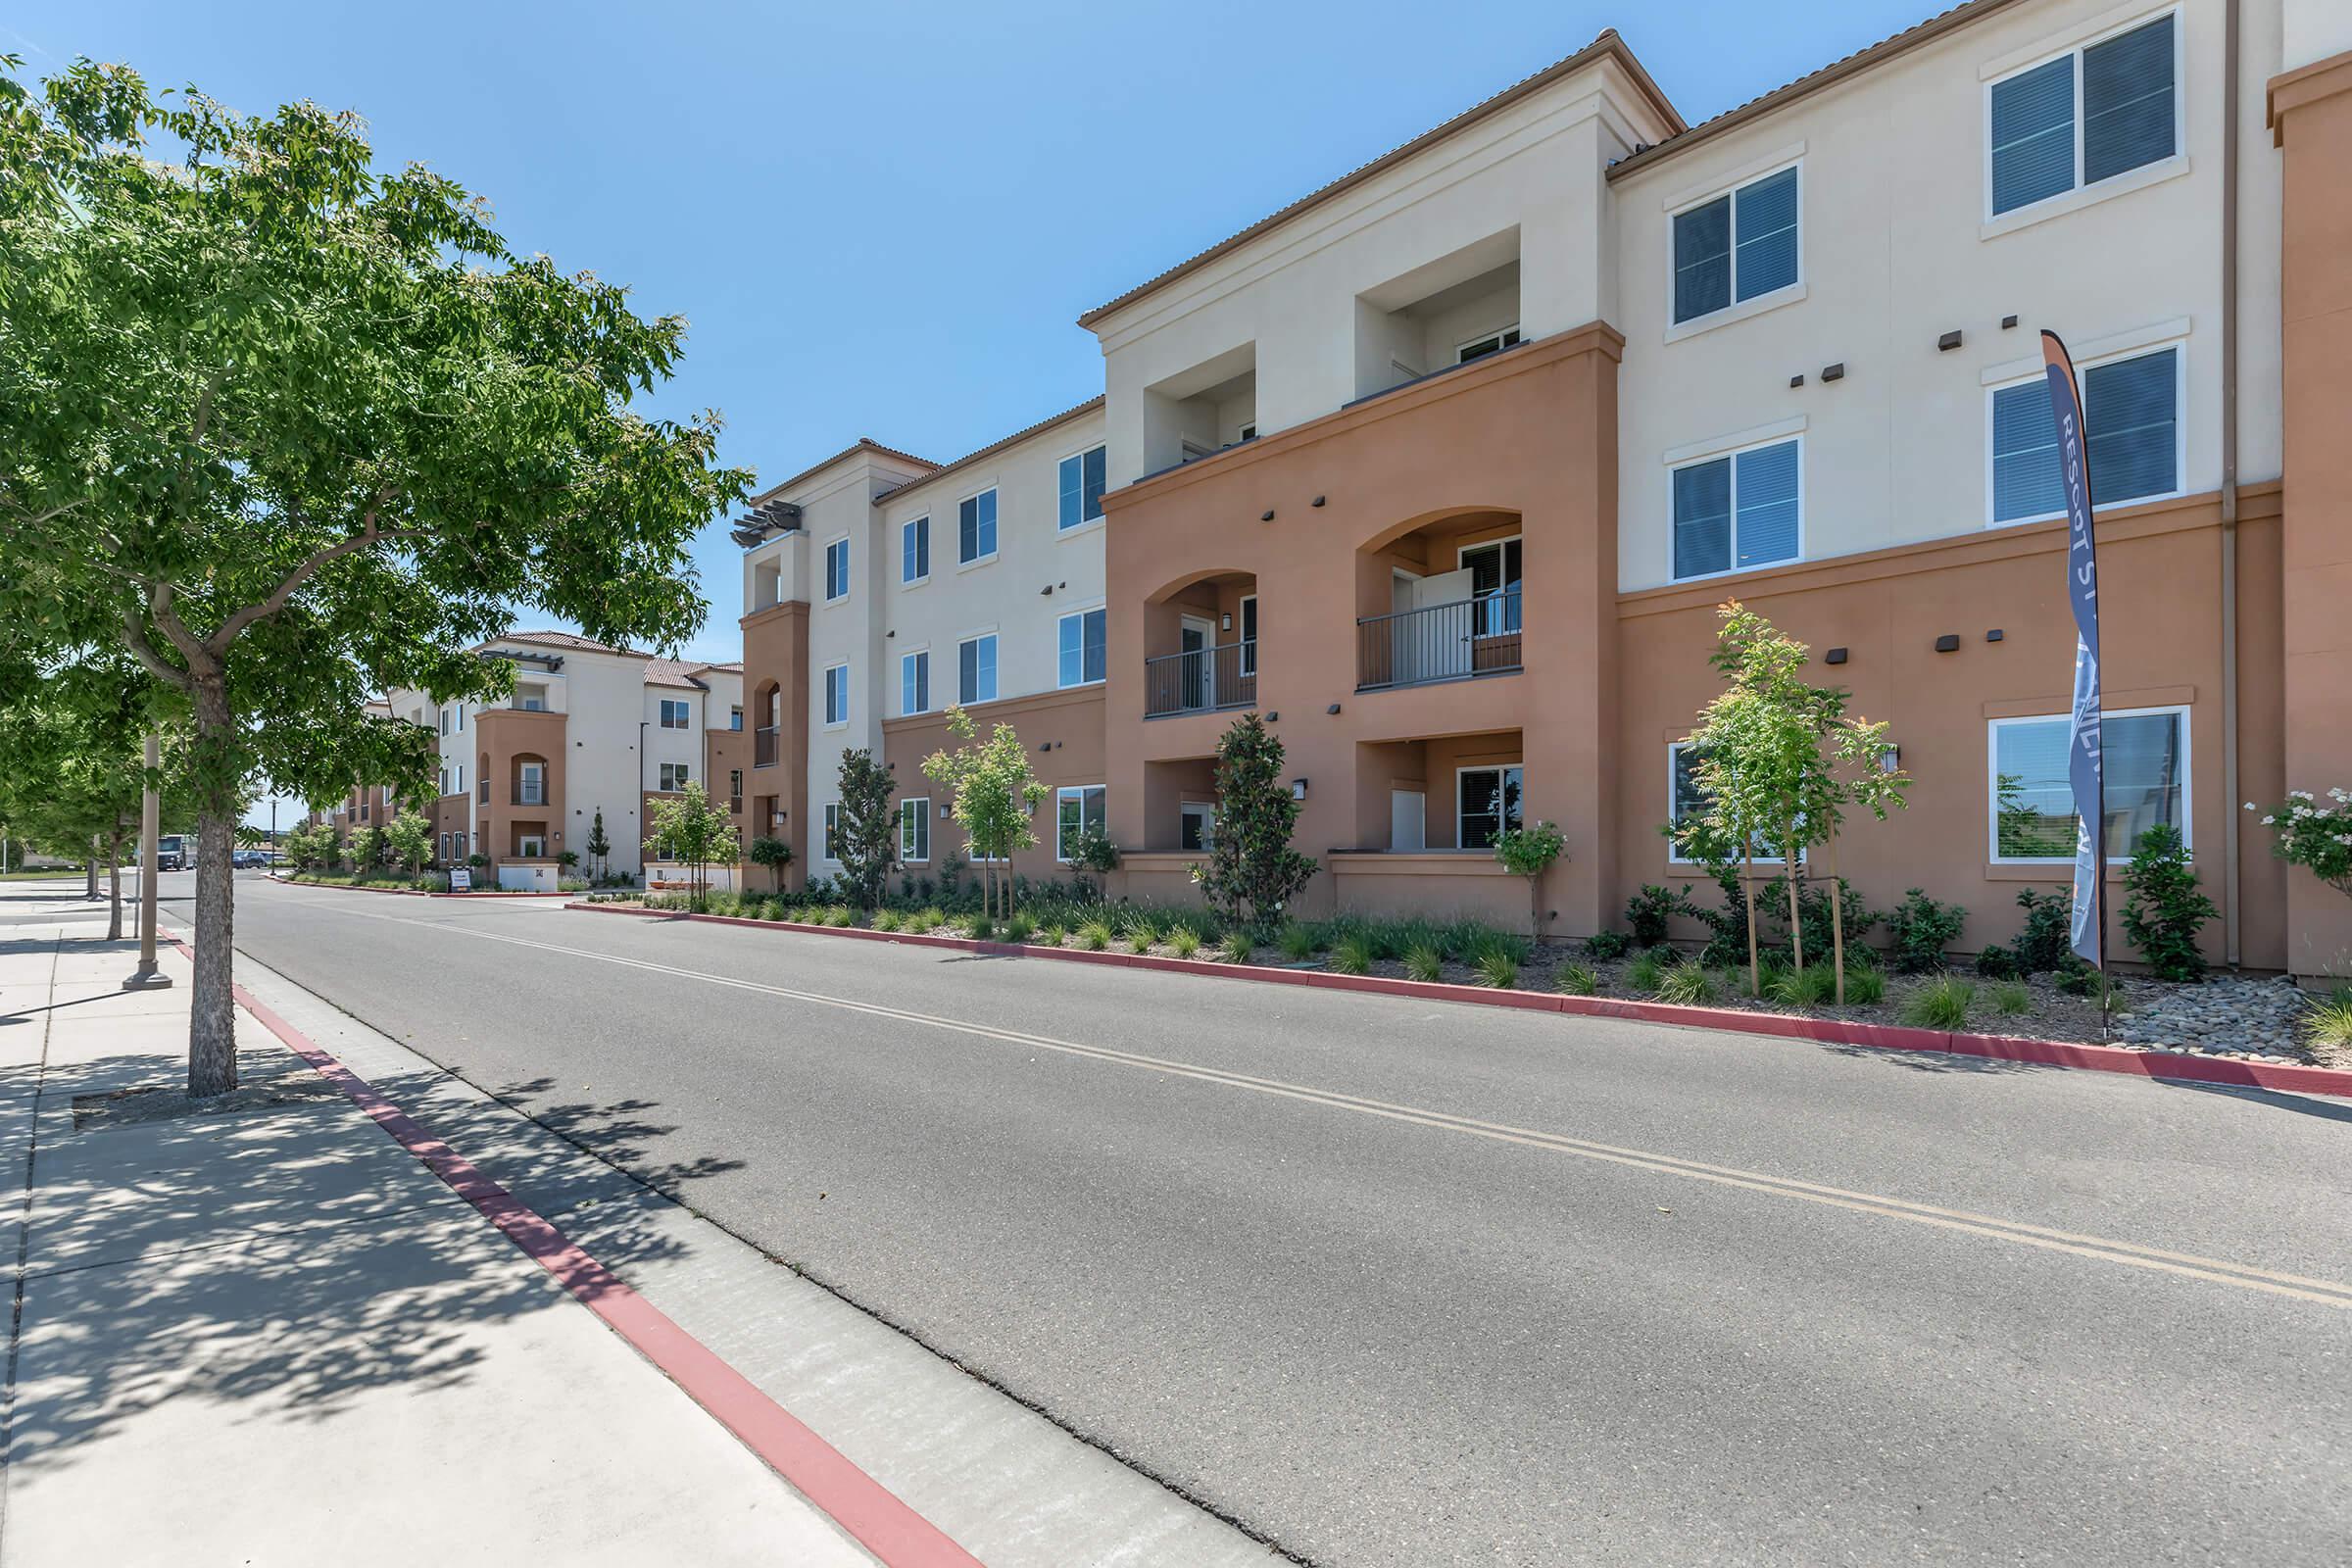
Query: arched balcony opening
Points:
[767, 704]
[1439, 599]
[1201, 645]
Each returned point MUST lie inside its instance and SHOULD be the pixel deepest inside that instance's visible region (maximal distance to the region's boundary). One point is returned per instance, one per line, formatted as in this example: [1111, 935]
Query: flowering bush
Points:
[2313, 836]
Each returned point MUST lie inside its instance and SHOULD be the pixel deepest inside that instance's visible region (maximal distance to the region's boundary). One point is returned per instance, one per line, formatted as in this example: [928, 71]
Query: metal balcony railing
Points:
[1438, 642]
[1201, 681]
[763, 746]
[530, 794]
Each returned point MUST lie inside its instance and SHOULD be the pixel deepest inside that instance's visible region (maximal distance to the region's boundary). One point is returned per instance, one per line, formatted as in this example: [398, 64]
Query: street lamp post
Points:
[151, 821]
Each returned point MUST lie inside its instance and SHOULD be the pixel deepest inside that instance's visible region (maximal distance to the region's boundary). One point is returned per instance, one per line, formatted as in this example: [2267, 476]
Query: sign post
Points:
[2085, 770]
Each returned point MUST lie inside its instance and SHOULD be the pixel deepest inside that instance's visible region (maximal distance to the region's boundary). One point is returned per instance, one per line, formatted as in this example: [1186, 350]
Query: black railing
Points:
[764, 747]
[528, 794]
[1201, 680]
[1438, 642]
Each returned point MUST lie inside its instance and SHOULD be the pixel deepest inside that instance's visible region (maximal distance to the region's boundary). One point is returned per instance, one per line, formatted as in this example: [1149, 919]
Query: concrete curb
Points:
[873, 1515]
[414, 892]
[2083, 1057]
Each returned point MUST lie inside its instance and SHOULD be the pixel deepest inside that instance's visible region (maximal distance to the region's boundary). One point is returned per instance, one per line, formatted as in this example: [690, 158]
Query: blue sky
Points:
[884, 219]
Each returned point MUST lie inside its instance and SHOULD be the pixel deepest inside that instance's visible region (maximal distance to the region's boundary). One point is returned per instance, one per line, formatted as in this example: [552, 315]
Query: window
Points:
[837, 571]
[735, 716]
[1076, 807]
[976, 528]
[1492, 343]
[914, 682]
[837, 693]
[531, 698]
[529, 846]
[457, 778]
[832, 830]
[2131, 412]
[1495, 586]
[1736, 511]
[1248, 431]
[1486, 802]
[1082, 646]
[458, 843]
[1686, 800]
[1736, 246]
[1198, 829]
[530, 785]
[735, 789]
[2089, 115]
[1249, 654]
[976, 670]
[445, 719]
[915, 551]
[675, 715]
[673, 776]
[444, 848]
[914, 830]
[1082, 485]
[2143, 754]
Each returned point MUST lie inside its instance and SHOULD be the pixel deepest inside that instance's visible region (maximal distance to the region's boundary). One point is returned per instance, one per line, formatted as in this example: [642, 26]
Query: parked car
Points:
[249, 857]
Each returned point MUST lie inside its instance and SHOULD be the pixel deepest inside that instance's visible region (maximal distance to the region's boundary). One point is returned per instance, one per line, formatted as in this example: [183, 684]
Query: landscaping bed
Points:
[2228, 1017]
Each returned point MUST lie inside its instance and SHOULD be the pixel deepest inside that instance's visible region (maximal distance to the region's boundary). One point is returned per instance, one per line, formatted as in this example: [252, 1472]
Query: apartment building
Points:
[1444, 468]
[589, 729]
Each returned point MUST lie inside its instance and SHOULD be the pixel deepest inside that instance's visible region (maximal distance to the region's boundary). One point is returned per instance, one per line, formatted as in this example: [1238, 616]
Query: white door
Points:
[1408, 819]
[1199, 825]
[1444, 625]
[1194, 640]
[1403, 594]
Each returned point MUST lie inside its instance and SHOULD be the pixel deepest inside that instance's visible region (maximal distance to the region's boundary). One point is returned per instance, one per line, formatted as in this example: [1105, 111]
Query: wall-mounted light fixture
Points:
[1948, 342]
[1333, 709]
[1836, 656]
[1834, 373]
[1298, 789]
[1266, 516]
[1948, 643]
[1227, 621]
[1994, 635]
[1318, 501]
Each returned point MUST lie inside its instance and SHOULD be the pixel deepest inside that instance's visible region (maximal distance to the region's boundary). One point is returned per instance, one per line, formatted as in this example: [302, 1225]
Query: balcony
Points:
[764, 745]
[530, 793]
[1452, 641]
[1201, 680]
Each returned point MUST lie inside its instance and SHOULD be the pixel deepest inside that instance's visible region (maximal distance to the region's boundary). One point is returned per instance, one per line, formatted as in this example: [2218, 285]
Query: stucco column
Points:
[2311, 118]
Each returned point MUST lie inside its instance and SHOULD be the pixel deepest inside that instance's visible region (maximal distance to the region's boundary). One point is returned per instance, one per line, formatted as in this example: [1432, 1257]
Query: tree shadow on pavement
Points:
[282, 1262]
[1935, 1062]
[2300, 1105]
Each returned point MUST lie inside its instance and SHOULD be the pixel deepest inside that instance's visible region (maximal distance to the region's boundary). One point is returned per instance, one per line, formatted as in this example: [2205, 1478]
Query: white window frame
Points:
[685, 712]
[1207, 810]
[1737, 308]
[1674, 847]
[531, 845]
[1079, 456]
[1992, 781]
[995, 544]
[1498, 769]
[987, 635]
[842, 722]
[1684, 458]
[1245, 634]
[527, 774]
[906, 655]
[671, 778]
[905, 528]
[841, 544]
[1061, 849]
[1247, 430]
[828, 847]
[920, 813]
[1511, 331]
[1079, 615]
[2177, 343]
[2078, 194]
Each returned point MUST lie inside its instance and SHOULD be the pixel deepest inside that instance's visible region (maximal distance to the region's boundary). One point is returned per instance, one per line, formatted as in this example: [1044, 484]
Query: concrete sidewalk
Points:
[266, 1334]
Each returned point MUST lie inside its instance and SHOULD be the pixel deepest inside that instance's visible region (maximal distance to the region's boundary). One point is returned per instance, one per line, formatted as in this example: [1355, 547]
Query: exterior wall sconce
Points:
[1333, 709]
[1318, 501]
[1266, 516]
[1948, 643]
[1227, 622]
[1834, 373]
[1948, 342]
[1298, 789]
[1836, 656]
[1994, 636]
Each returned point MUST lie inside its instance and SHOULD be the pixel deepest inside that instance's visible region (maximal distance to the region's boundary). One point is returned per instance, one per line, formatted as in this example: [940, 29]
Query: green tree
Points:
[865, 832]
[408, 838]
[690, 830]
[72, 775]
[366, 848]
[2167, 909]
[293, 430]
[775, 855]
[1252, 872]
[599, 848]
[993, 794]
[1094, 852]
[1529, 851]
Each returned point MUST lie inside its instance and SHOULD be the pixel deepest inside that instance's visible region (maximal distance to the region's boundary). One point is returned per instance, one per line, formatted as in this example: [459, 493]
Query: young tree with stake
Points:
[993, 793]
[292, 430]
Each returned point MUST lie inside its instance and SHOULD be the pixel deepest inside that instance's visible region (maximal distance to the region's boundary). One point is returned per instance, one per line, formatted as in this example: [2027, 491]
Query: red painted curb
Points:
[870, 1512]
[2081, 1055]
[416, 892]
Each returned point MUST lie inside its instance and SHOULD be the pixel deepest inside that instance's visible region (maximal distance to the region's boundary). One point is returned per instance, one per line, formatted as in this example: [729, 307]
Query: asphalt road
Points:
[1400, 1283]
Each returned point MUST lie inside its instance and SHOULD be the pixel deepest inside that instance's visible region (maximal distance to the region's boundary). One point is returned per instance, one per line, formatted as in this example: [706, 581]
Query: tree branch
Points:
[135, 635]
[217, 644]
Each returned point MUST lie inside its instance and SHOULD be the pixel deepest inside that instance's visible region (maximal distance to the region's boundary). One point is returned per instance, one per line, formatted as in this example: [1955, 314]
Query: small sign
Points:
[461, 880]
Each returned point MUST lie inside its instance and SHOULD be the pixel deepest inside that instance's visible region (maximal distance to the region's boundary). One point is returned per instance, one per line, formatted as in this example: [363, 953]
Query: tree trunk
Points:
[1747, 883]
[213, 1015]
[114, 887]
[1534, 902]
[1797, 924]
[1837, 919]
[90, 879]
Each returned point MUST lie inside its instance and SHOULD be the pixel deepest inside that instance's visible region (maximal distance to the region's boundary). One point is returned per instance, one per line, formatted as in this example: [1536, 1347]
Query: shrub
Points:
[1020, 928]
[1353, 953]
[1251, 870]
[1183, 942]
[1052, 934]
[1529, 851]
[2313, 836]
[1606, 946]
[1237, 946]
[2048, 940]
[1576, 980]
[1296, 940]
[1940, 1004]
[1644, 973]
[2078, 979]
[1922, 928]
[1687, 981]
[2012, 997]
[1648, 911]
[886, 920]
[1497, 967]
[1466, 940]
[1094, 936]
[1424, 961]
[980, 928]
[1864, 986]
[2327, 1025]
[2166, 910]
[1815, 986]
[1141, 936]
[1997, 962]
[840, 915]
